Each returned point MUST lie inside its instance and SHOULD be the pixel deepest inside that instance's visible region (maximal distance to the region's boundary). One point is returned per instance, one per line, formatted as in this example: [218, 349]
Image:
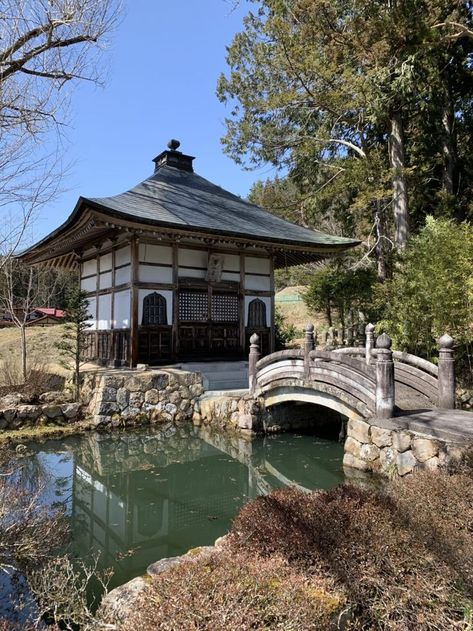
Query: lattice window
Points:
[257, 314]
[193, 306]
[154, 310]
[225, 308]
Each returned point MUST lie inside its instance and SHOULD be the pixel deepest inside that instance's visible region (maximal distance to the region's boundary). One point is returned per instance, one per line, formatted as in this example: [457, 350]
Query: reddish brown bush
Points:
[234, 592]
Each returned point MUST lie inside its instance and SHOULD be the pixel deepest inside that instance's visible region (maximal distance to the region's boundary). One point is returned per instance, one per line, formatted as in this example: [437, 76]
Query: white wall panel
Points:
[105, 312]
[89, 284]
[89, 267]
[167, 295]
[122, 309]
[263, 283]
[105, 262]
[231, 276]
[231, 262]
[192, 273]
[151, 253]
[122, 256]
[122, 275]
[192, 258]
[105, 280]
[257, 265]
[155, 274]
[267, 302]
[92, 312]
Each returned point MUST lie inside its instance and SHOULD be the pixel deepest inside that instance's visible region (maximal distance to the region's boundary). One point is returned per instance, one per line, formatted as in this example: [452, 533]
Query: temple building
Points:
[177, 267]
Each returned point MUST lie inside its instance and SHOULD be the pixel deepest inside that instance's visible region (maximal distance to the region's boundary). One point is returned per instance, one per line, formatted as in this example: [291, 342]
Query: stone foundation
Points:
[235, 412]
[124, 397]
[369, 447]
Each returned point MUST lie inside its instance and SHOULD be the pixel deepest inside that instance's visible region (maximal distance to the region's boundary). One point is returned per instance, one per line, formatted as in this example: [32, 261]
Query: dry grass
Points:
[41, 346]
[297, 313]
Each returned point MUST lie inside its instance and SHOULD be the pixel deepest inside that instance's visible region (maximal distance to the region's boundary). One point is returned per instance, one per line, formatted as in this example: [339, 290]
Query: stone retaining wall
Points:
[236, 412]
[390, 451]
[14, 413]
[125, 397]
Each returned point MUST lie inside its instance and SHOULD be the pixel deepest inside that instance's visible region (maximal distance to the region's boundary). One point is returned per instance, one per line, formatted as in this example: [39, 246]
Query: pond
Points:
[139, 496]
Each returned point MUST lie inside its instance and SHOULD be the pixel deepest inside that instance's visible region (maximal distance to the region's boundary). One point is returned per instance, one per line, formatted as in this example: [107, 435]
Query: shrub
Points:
[235, 592]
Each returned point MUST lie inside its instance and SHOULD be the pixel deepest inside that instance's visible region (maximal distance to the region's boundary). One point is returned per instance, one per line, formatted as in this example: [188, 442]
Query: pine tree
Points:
[74, 343]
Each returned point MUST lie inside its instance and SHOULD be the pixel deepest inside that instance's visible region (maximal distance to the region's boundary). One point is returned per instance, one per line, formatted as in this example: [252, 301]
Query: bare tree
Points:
[21, 287]
[45, 45]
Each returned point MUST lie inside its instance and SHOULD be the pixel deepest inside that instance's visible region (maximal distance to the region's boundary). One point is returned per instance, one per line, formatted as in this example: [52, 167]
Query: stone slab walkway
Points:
[449, 425]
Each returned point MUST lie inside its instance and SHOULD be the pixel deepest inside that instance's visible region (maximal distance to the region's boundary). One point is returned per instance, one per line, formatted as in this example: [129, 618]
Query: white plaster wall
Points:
[231, 262]
[263, 283]
[167, 295]
[89, 267]
[122, 308]
[257, 265]
[89, 284]
[192, 273]
[105, 262]
[151, 253]
[267, 302]
[155, 274]
[105, 312]
[92, 311]
[231, 276]
[105, 280]
[122, 275]
[193, 258]
[123, 255]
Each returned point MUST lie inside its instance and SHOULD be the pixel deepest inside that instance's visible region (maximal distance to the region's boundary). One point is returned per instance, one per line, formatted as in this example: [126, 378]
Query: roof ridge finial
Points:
[174, 144]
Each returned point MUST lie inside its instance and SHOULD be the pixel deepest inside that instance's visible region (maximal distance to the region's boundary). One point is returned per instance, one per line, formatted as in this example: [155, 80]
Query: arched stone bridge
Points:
[358, 382]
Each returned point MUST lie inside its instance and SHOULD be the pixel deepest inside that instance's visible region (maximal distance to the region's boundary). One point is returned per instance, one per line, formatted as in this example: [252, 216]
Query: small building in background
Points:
[41, 316]
[177, 267]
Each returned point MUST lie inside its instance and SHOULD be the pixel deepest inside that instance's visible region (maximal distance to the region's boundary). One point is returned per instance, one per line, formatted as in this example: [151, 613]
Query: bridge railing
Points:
[374, 366]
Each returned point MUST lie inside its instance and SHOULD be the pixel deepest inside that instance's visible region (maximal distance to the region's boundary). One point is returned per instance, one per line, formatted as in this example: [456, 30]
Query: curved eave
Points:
[287, 251]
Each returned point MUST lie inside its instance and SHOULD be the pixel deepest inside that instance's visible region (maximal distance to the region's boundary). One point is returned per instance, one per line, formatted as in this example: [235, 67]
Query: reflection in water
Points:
[137, 497]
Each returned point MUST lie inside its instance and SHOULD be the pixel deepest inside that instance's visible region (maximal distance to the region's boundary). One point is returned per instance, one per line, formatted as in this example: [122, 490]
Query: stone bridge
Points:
[358, 382]
[392, 400]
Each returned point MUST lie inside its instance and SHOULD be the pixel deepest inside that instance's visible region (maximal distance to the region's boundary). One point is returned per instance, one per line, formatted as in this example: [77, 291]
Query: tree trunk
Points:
[23, 353]
[398, 163]
[379, 250]
[448, 150]
[328, 313]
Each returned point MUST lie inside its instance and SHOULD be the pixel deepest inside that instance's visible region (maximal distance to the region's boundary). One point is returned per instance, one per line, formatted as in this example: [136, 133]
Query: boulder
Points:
[71, 410]
[424, 449]
[401, 441]
[405, 462]
[381, 437]
[11, 400]
[56, 396]
[353, 447]
[152, 396]
[359, 430]
[123, 397]
[355, 463]
[387, 459]
[369, 452]
[52, 411]
[118, 604]
[28, 412]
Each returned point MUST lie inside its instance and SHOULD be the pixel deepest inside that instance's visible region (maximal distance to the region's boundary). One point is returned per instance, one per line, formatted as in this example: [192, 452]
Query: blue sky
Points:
[163, 63]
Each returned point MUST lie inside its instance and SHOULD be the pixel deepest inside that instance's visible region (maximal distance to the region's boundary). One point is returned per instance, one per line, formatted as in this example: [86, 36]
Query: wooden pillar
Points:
[369, 344]
[242, 305]
[384, 377]
[309, 345]
[254, 356]
[134, 247]
[446, 379]
[272, 332]
[175, 301]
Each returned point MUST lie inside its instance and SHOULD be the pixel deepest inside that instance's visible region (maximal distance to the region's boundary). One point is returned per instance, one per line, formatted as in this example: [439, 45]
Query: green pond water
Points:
[137, 497]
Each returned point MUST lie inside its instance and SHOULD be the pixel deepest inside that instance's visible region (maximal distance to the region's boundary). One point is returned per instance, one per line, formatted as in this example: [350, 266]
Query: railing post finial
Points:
[369, 344]
[384, 377]
[254, 356]
[446, 379]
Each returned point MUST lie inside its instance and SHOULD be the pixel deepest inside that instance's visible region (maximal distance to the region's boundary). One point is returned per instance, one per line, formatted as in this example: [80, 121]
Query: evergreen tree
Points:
[73, 343]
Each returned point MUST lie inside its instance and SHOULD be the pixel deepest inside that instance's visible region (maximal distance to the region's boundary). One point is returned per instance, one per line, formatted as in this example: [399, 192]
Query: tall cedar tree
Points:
[73, 342]
[338, 91]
